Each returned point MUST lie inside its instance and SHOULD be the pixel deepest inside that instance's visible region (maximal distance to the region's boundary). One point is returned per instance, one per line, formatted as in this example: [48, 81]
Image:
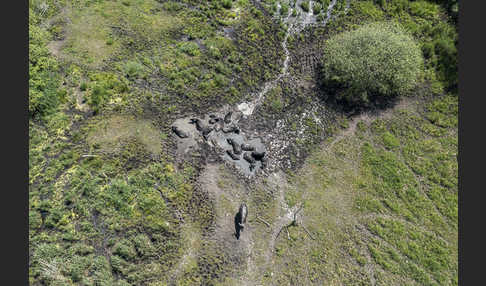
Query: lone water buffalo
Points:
[235, 145]
[247, 156]
[232, 155]
[227, 117]
[240, 219]
[179, 132]
[258, 155]
[198, 122]
[247, 147]
[229, 129]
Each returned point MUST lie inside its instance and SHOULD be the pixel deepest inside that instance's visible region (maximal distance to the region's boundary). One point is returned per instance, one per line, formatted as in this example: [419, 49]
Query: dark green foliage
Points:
[44, 79]
[426, 22]
[104, 86]
[227, 4]
[284, 9]
[305, 6]
[375, 60]
[316, 8]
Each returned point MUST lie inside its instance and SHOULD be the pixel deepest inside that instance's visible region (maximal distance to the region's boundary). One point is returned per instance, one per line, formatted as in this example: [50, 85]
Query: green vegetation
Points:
[110, 204]
[44, 79]
[430, 25]
[375, 60]
[305, 6]
[284, 9]
[316, 8]
[382, 199]
[106, 79]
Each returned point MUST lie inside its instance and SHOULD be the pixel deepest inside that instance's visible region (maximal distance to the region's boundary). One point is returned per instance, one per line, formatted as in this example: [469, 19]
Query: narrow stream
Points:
[247, 108]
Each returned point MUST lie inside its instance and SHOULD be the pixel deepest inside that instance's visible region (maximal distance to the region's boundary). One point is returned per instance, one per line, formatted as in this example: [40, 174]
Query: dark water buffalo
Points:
[258, 155]
[247, 147]
[214, 120]
[206, 130]
[236, 146]
[198, 122]
[232, 155]
[179, 132]
[247, 156]
[229, 129]
[240, 219]
[227, 117]
[264, 161]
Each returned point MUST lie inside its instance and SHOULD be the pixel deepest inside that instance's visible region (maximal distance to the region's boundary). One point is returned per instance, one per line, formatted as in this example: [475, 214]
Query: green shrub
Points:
[83, 86]
[305, 6]
[376, 60]
[133, 69]
[227, 4]
[125, 250]
[44, 79]
[316, 9]
[284, 9]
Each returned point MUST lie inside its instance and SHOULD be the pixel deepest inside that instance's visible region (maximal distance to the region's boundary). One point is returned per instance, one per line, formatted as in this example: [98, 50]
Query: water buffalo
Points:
[247, 147]
[227, 117]
[214, 120]
[247, 156]
[232, 155]
[206, 130]
[236, 146]
[230, 129]
[258, 155]
[198, 122]
[179, 132]
[240, 219]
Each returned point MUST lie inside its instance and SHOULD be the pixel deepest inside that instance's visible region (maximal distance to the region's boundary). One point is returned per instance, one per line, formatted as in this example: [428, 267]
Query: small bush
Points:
[376, 60]
[227, 4]
[284, 9]
[305, 6]
[133, 69]
[83, 86]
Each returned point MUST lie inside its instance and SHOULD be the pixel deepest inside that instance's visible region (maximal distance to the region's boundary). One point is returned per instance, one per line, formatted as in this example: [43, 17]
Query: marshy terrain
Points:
[151, 122]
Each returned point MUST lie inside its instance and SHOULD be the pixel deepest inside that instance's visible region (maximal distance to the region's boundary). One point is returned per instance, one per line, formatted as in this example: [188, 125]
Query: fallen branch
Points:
[288, 234]
[308, 232]
[88, 155]
[262, 220]
[279, 232]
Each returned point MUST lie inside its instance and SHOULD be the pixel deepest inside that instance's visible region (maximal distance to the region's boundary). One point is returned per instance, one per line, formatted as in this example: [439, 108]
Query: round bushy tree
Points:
[375, 60]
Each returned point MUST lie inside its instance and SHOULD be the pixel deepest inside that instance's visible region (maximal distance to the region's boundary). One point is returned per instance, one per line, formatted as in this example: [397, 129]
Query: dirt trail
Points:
[226, 203]
[368, 117]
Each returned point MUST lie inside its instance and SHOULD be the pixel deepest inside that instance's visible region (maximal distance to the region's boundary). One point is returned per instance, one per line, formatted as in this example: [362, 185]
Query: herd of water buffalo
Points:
[247, 151]
[216, 124]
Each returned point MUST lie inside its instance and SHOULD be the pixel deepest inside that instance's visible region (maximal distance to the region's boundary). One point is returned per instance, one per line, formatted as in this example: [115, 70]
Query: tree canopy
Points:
[377, 59]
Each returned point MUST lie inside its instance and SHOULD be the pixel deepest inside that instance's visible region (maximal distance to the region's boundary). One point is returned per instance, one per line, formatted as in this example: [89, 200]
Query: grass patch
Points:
[110, 133]
[384, 197]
